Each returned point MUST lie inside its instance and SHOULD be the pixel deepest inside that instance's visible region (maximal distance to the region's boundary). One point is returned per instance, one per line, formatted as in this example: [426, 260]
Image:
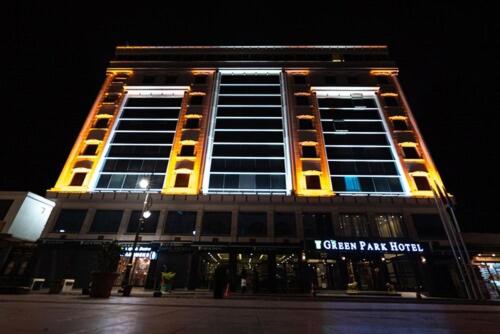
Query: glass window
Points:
[153, 102]
[78, 179]
[182, 180]
[331, 80]
[400, 125]
[150, 113]
[353, 225]
[216, 223]
[352, 80]
[200, 79]
[146, 129]
[389, 226]
[187, 151]
[306, 124]
[250, 79]
[391, 101]
[196, 99]
[101, 123]
[148, 79]
[106, 221]
[429, 226]
[422, 183]
[410, 152]
[4, 207]
[284, 224]
[252, 224]
[70, 221]
[383, 80]
[313, 182]
[192, 123]
[309, 152]
[317, 225]
[299, 79]
[302, 100]
[90, 149]
[170, 79]
[180, 222]
[149, 224]
[248, 130]
[354, 135]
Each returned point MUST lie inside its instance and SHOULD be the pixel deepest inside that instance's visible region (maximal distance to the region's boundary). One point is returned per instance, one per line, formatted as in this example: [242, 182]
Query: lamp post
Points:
[145, 214]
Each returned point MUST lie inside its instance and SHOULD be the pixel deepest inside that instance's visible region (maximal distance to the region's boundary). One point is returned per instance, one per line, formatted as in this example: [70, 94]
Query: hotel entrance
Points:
[371, 273]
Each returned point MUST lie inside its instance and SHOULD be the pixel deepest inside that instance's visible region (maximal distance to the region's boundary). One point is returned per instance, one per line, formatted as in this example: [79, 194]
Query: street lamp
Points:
[145, 214]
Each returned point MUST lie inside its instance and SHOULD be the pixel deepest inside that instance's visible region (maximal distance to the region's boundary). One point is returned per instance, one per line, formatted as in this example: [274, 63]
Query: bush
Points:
[108, 257]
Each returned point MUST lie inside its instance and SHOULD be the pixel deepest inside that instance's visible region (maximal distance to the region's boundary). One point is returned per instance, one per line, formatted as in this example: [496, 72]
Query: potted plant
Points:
[167, 280]
[105, 275]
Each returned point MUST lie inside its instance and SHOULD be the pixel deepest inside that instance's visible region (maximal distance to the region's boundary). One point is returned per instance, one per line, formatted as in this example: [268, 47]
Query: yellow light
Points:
[69, 169]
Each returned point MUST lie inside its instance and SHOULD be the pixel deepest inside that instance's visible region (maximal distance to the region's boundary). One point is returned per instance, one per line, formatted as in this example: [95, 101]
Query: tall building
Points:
[295, 165]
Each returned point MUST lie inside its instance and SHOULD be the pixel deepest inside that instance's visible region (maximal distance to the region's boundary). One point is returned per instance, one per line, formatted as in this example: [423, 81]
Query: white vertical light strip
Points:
[211, 133]
[402, 178]
[284, 114]
[104, 155]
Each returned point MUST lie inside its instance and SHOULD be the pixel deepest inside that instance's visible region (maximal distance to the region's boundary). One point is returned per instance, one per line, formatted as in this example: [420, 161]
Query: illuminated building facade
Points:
[255, 156]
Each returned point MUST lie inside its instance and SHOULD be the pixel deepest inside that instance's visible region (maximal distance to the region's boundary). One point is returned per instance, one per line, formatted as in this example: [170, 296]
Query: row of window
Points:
[349, 126]
[146, 129]
[247, 182]
[255, 102]
[129, 113]
[367, 184]
[250, 224]
[355, 139]
[128, 181]
[353, 176]
[341, 114]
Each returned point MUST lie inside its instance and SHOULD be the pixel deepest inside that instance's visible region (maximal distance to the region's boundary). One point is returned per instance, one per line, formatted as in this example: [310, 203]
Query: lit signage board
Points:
[140, 251]
[360, 245]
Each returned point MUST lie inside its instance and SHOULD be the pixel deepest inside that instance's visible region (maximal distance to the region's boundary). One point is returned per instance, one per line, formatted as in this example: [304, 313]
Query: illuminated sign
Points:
[368, 246]
[140, 251]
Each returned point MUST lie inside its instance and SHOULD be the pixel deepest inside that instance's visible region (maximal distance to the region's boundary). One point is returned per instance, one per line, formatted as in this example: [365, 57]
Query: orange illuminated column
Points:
[186, 158]
[417, 163]
[82, 161]
[311, 176]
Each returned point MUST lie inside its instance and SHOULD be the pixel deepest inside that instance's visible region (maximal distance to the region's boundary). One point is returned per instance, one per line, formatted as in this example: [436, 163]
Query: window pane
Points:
[252, 224]
[317, 225]
[353, 225]
[148, 226]
[389, 226]
[106, 221]
[180, 222]
[216, 223]
[429, 226]
[284, 224]
[70, 221]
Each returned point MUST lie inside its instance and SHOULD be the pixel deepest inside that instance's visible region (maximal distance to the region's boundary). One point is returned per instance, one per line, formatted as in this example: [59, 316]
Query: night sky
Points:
[448, 56]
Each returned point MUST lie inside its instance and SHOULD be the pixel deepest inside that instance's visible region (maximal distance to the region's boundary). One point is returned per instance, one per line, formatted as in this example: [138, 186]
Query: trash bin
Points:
[37, 283]
[67, 284]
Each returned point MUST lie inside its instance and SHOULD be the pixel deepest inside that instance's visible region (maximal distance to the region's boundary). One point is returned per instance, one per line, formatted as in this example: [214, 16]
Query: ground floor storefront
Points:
[259, 268]
[488, 266]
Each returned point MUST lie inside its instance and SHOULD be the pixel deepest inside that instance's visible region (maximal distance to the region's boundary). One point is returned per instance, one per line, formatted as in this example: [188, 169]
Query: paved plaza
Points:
[40, 313]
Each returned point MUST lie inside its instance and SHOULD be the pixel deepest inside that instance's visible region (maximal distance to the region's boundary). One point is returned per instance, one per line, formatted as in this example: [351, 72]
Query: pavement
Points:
[72, 313]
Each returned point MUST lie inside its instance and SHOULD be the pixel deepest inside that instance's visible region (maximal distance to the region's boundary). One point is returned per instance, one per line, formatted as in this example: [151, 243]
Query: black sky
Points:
[448, 56]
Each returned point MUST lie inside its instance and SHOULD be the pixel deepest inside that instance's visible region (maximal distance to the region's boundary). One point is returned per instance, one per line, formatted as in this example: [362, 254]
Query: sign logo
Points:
[368, 246]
